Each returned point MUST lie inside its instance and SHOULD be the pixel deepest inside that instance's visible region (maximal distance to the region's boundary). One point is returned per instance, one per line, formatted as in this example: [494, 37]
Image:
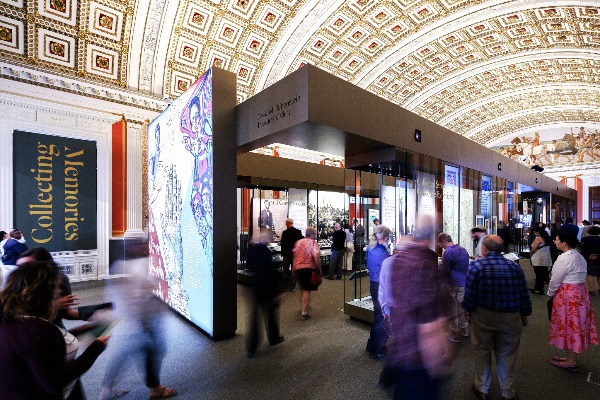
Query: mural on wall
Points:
[180, 215]
[553, 147]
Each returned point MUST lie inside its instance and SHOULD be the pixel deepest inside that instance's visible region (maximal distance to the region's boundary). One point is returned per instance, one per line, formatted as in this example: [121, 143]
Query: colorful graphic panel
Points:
[180, 188]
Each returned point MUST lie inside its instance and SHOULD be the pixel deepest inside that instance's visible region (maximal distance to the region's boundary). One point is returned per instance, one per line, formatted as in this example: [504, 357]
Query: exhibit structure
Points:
[422, 168]
[191, 163]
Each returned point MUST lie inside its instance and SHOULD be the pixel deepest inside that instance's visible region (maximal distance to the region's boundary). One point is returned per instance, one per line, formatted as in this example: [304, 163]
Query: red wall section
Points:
[119, 178]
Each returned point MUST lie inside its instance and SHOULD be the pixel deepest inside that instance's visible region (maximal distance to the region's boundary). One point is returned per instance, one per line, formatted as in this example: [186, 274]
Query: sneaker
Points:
[305, 317]
[453, 337]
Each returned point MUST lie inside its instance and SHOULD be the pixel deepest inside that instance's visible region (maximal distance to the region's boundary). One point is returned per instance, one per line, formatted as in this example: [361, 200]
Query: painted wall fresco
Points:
[553, 147]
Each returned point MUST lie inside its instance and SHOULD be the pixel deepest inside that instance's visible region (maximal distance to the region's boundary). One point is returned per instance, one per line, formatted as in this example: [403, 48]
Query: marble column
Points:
[135, 130]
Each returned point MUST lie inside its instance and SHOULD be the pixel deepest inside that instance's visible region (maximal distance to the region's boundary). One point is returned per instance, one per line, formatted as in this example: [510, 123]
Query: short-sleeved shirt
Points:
[455, 263]
[496, 284]
[304, 251]
[375, 257]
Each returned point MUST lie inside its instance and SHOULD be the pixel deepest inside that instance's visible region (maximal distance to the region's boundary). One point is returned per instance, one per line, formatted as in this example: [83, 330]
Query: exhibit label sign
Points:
[55, 191]
[298, 208]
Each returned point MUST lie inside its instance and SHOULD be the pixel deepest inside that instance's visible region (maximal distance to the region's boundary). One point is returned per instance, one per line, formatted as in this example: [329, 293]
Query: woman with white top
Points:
[540, 258]
[572, 323]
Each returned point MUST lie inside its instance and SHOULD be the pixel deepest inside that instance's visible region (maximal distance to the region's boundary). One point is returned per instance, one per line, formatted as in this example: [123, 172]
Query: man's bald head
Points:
[493, 244]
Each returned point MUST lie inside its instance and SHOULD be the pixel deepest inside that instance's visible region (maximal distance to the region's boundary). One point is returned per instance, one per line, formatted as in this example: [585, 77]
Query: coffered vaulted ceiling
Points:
[484, 69]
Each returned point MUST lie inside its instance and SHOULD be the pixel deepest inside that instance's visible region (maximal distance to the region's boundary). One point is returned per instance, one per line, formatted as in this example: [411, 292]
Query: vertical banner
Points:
[55, 191]
[298, 208]
[486, 201]
[450, 203]
[188, 231]
[401, 205]
[389, 211]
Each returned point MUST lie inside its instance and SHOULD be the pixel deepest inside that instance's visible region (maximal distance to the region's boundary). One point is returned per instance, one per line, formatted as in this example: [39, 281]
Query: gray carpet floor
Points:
[324, 357]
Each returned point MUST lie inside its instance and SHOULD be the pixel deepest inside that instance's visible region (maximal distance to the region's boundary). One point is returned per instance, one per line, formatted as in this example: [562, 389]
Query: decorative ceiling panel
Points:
[481, 68]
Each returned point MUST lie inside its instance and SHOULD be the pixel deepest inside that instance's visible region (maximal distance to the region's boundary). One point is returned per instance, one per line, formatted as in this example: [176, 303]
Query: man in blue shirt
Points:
[376, 254]
[455, 264]
[497, 304]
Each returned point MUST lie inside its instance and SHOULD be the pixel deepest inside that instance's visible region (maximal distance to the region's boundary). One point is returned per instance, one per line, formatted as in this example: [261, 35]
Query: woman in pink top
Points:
[307, 257]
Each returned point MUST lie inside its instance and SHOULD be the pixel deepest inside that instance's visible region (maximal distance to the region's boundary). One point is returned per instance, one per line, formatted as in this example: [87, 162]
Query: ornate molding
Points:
[80, 87]
[153, 24]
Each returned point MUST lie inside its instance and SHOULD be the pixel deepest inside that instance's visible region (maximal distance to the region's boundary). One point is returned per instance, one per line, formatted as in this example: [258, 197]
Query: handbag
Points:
[316, 278]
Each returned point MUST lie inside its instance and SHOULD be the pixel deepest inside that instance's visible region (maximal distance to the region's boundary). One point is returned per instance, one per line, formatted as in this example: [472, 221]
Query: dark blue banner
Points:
[55, 191]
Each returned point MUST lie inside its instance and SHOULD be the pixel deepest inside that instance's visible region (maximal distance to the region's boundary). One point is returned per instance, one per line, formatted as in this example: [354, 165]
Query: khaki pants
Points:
[499, 333]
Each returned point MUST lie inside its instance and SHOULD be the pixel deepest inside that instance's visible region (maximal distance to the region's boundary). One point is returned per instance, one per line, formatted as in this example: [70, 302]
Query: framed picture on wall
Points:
[479, 220]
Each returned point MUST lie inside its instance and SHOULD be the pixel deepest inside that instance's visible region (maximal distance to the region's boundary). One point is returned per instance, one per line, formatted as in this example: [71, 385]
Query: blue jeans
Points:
[335, 263]
[378, 337]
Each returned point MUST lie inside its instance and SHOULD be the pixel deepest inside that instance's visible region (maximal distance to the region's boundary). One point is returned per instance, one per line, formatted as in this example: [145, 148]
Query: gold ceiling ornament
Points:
[446, 60]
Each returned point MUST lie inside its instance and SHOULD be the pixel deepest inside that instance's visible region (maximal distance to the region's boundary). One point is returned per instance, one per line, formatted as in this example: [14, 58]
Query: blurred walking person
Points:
[413, 306]
[265, 291]
[140, 329]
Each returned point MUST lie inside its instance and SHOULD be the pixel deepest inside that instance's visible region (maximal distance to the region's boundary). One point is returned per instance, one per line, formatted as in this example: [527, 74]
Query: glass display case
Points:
[457, 198]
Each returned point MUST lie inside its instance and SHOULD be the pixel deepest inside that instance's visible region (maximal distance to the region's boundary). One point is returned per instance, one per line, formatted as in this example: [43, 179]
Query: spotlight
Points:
[417, 135]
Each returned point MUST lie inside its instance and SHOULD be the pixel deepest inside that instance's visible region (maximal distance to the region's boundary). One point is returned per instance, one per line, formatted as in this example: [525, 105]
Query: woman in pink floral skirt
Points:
[572, 324]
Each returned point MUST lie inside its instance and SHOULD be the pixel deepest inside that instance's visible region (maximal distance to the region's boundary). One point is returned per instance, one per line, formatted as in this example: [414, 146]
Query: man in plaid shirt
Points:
[497, 304]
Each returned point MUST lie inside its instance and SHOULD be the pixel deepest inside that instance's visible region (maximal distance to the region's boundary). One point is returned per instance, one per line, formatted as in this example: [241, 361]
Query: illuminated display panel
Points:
[180, 187]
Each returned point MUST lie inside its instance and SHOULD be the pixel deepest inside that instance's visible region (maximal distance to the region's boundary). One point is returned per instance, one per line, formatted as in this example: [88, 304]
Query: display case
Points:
[245, 275]
[457, 198]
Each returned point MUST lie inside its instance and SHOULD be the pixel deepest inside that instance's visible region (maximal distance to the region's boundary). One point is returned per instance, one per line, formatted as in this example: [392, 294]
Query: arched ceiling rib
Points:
[483, 69]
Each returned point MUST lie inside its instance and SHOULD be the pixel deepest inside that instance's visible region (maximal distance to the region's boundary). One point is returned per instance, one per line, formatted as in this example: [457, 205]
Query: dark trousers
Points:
[541, 276]
[288, 281]
[270, 310]
[414, 384]
[378, 337]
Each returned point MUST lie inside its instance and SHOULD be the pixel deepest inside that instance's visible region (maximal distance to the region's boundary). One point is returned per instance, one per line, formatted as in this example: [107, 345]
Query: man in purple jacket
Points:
[455, 264]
